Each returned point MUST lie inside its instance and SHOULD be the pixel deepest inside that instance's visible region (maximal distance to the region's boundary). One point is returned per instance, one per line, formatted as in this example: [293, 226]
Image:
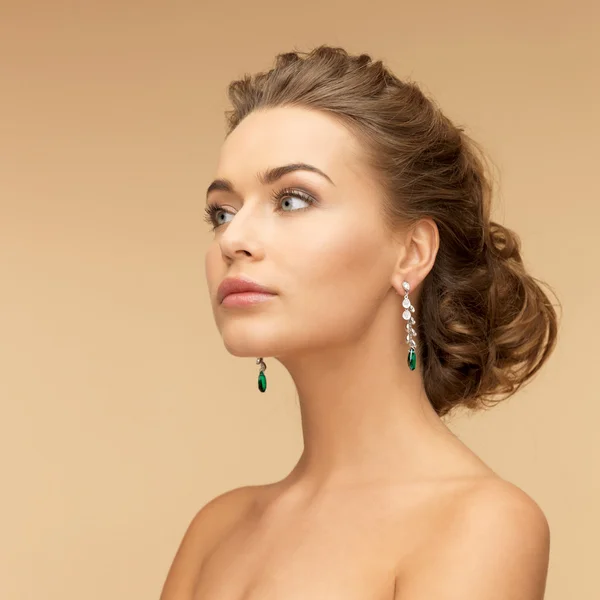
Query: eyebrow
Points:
[267, 177]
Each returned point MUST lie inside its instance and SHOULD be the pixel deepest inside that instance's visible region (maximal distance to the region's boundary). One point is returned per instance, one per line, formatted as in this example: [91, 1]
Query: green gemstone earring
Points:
[407, 315]
[262, 380]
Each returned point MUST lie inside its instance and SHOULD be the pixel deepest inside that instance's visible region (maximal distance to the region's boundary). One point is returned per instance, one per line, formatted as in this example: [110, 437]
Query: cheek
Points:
[344, 259]
[343, 272]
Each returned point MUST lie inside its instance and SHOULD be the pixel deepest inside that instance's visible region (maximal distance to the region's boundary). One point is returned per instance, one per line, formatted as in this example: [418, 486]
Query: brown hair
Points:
[486, 326]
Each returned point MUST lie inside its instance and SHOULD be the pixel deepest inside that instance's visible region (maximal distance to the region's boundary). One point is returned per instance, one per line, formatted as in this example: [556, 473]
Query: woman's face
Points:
[330, 262]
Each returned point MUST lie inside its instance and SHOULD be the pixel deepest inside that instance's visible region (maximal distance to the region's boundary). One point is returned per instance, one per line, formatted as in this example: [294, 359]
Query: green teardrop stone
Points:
[262, 381]
[412, 359]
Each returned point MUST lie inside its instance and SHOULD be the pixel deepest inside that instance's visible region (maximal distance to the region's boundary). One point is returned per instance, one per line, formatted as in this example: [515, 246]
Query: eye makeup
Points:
[212, 209]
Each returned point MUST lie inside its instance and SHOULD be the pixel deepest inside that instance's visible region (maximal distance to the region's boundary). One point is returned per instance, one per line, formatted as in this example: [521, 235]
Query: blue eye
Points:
[287, 193]
[210, 214]
[213, 210]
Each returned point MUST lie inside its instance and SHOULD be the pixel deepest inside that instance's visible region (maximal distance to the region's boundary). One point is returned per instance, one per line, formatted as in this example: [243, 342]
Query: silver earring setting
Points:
[407, 315]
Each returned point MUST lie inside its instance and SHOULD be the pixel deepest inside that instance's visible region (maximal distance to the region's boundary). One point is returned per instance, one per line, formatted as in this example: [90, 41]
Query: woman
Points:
[353, 244]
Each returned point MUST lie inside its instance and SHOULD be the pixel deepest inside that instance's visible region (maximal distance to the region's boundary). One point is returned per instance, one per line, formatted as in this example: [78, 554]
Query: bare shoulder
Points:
[493, 498]
[495, 544]
[506, 496]
[206, 528]
[506, 513]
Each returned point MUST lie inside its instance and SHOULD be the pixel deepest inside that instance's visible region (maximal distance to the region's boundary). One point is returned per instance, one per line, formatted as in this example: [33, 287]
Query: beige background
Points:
[122, 413]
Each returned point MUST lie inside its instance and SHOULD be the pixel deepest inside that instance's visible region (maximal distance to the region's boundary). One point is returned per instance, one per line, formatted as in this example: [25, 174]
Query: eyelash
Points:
[213, 208]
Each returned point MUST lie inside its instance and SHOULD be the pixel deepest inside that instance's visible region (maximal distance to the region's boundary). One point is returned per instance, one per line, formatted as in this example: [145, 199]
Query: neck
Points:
[365, 414]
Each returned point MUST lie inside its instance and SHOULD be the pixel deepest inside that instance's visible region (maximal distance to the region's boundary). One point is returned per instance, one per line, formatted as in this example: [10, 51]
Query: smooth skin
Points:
[385, 502]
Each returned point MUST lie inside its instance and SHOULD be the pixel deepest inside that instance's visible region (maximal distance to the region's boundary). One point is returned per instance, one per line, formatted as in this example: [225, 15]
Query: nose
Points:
[242, 237]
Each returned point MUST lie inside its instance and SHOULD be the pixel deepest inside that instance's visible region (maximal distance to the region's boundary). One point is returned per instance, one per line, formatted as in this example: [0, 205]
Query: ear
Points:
[416, 254]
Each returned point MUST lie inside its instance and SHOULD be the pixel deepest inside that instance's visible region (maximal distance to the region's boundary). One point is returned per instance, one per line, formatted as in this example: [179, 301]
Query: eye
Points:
[282, 198]
[211, 212]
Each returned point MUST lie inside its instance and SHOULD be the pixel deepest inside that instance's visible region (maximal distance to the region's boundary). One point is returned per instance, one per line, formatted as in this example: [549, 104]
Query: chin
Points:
[244, 350]
[247, 343]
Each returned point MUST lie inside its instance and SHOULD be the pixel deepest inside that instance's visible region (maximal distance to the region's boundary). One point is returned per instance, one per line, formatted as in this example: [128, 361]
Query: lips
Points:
[238, 285]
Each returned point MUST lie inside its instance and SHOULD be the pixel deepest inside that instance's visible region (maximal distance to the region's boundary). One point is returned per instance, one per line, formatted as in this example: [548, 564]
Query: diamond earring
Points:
[407, 315]
[262, 379]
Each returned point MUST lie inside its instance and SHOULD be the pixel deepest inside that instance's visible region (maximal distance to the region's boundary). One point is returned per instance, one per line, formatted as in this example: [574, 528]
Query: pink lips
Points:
[245, 299]
[239, 291]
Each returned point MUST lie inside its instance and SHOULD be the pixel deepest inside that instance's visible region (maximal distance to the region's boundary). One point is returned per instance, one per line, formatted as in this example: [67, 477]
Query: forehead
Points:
[275, 136]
